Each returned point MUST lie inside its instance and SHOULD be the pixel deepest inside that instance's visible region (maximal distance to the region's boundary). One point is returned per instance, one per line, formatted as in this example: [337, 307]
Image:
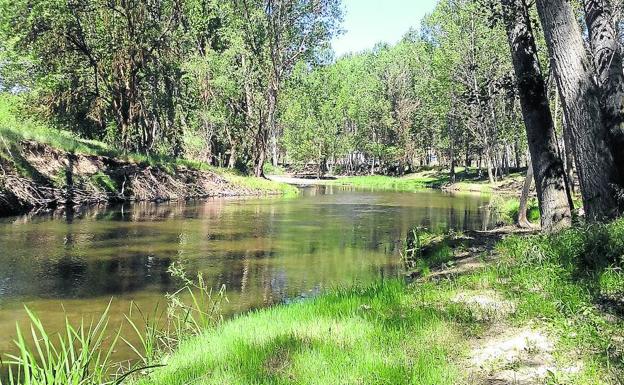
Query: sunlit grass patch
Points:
[370, 336]
[259, 184]
[411, 183]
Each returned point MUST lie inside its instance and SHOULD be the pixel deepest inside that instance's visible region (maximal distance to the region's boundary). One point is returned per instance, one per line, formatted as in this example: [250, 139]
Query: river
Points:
[265, 251]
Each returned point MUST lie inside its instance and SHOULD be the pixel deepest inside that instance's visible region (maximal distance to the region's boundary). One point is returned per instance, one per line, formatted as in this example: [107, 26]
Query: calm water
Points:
[264, 250]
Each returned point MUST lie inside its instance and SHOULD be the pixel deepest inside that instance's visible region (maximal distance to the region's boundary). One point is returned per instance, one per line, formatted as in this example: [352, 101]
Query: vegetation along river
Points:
[264, 250]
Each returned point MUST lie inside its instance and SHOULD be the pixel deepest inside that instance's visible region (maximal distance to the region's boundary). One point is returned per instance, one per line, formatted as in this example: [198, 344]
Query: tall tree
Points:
[580, 98]
[607, 55]
[279, 34]
[547, 164]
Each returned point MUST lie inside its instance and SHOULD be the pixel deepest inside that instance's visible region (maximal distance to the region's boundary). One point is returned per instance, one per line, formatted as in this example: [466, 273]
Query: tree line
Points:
[444, 95]
[193, 78]
[492, 84]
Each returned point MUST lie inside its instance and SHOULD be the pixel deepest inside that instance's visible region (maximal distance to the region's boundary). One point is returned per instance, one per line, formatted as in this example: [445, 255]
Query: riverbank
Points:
[503, 307]
[465, 181]
[42, 167]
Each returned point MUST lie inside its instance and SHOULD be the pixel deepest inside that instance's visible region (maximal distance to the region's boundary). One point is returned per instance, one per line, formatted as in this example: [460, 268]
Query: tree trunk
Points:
[546, 164]
[569, 156]
[232, 158]
[608, 62]
[581, 105]
[523, 221]
[274, 149]
[490, 172]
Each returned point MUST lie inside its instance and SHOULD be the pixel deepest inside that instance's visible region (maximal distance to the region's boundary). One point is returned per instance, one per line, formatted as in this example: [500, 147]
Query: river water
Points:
[264, 251]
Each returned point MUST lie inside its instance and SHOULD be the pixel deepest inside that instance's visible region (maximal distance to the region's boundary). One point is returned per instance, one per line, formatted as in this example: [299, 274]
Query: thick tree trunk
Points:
[608, 62]
[581, 106]
[523, 221]
[547, 165]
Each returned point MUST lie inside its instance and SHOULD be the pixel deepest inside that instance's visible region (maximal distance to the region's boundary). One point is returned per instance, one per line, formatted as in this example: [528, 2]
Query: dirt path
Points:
[503, 354]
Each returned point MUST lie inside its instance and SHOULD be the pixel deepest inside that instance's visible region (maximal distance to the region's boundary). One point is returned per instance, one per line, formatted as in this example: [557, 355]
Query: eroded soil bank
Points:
[38, 176]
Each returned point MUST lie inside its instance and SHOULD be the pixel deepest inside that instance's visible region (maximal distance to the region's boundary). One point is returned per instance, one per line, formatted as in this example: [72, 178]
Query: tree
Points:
[546, 162]
[607, 55]
[278, 34]
[580, 98]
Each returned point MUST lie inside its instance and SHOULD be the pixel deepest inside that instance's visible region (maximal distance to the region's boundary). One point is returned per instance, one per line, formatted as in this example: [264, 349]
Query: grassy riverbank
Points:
[564, 291]
[43, 166]
[465, 181]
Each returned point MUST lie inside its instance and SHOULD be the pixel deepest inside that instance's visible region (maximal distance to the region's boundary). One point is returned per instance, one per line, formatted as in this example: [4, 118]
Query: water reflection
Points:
[263, 250]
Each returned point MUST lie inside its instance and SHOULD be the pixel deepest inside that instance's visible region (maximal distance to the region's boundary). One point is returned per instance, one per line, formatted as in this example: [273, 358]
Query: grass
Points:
[77, 355]
[569, 283]
[508, 209]
[409, 183]
[14, 127]
[372, 335]
[259, 184]
[425, 249]
[465, 181]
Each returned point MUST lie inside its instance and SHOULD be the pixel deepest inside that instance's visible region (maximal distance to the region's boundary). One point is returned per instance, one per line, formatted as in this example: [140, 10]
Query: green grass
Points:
[432, 178]
[508, 209]
[14, 127]
[76, 355]
[411, 183]
[269, 169]
[259, 184]
[566, 282]
[373, 335]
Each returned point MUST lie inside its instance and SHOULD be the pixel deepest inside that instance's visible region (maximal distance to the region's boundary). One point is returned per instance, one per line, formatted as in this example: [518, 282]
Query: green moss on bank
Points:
[465, 181]
[409, 183]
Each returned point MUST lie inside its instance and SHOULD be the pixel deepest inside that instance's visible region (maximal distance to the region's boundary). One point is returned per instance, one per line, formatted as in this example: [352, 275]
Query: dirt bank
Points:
[37, 176]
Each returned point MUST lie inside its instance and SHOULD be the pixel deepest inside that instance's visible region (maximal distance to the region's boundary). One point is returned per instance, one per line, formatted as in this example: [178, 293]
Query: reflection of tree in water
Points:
[263, 250]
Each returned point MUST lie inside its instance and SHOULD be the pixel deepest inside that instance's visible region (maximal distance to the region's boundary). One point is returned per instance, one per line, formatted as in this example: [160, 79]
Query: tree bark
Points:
[569, 157]
[547, 165]
[523, 221]
[607, 54]
[581, 105]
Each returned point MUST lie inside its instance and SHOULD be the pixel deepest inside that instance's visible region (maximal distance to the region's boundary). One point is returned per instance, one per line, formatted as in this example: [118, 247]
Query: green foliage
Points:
[270, 169]
[170, 78]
